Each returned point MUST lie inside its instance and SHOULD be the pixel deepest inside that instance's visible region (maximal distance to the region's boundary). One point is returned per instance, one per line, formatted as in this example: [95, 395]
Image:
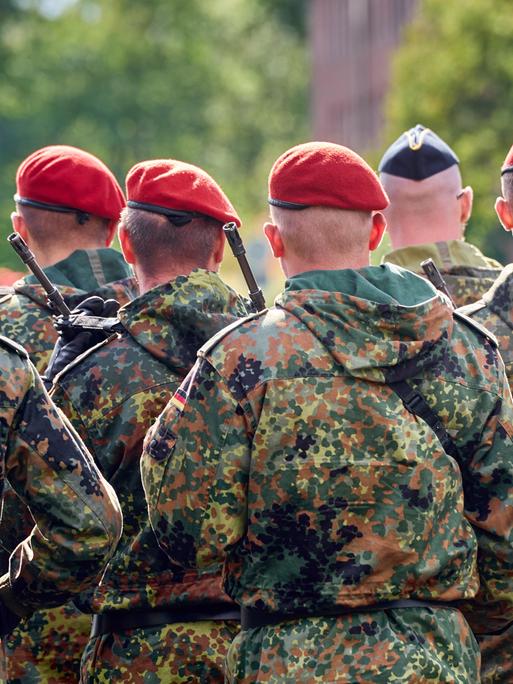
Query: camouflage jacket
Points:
[287, 454]
[77, 515]
[466, 271]
[113, 395]
[495, 311]
[24, 312]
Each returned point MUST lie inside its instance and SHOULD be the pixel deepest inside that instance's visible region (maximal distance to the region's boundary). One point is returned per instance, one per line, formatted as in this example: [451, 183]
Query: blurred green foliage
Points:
[219, 84]
[454, 74]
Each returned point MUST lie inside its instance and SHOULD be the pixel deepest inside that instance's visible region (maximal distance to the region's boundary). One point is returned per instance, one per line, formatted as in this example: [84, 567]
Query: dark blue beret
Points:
[417, 154]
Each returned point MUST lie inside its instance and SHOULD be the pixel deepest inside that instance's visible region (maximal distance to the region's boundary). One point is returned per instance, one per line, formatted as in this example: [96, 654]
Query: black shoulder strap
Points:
[416, 404]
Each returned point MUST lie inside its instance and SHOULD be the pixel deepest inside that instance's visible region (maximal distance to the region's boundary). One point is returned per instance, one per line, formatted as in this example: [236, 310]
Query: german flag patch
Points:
[179, 399]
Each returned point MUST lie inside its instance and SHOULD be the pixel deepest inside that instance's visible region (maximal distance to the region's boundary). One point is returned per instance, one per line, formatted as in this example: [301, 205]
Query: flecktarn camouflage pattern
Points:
[286, 455]
[467, 272]
[495, 311]
[65, 629]
[26, 318]
[24, 312]
[76, 511]
[112, 396]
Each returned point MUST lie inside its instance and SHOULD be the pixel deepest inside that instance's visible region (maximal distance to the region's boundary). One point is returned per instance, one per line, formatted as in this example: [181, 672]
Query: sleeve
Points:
[13, 508]
[65, 405]
[488, 487]
[77, 515]
[195, 469]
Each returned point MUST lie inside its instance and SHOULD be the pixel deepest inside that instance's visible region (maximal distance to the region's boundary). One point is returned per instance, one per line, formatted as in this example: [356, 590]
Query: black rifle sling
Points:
[415, 403]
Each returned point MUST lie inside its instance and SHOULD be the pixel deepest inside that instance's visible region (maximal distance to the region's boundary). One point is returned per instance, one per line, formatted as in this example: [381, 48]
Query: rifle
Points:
[435, 278]
[239, 252]
[67, 319]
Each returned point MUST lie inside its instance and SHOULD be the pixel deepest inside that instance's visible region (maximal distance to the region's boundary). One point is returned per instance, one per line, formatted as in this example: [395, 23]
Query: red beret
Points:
[166, 186]
[324, 174]
[507, 167]
[60, 176]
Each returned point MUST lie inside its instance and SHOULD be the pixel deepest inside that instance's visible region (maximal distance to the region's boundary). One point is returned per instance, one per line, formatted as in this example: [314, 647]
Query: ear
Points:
[379, 225]
[126, 246]
[504, 212]
[19, 226]
[466, 198]
[217, 254]
[111, 231]
[272, 233]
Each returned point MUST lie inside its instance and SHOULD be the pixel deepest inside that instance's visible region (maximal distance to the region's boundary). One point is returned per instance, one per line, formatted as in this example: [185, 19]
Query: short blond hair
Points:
[316, 232]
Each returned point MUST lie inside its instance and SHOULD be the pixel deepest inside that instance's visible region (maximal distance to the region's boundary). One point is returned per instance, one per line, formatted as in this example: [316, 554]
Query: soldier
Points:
[76, 512]
[428, 212]
[67, 206]
[319, 449]
[150, 618]
[495, 312]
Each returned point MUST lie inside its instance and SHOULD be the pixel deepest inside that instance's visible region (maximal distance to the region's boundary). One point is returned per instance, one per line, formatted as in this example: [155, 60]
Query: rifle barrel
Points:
[435, 277]
[26, 255]
[234, 240]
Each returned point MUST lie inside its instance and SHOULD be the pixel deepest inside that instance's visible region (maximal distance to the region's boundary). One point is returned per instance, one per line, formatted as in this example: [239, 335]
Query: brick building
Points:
[351, 44]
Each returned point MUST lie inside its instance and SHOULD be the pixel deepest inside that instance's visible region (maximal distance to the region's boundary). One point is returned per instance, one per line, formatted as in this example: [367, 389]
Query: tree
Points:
[222, 85]
[454, 74]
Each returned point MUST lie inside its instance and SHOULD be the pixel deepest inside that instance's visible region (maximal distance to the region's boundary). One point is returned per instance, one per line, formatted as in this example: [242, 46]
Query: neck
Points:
[292, 267]
[417, 234]
[49, 255]
[148, 280]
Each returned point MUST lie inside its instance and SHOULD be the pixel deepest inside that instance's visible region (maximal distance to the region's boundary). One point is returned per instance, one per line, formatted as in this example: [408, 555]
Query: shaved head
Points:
[434, 209]
[323, 238]
[319, 232]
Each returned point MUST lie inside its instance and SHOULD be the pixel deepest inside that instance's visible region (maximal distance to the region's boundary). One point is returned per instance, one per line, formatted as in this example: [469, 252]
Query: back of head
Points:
[67, 198]
[421, 176]
[322, 198]
[174, 217]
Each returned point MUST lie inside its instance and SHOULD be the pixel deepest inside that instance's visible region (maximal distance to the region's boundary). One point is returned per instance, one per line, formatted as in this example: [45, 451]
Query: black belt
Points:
[254, 617]
[122, 620]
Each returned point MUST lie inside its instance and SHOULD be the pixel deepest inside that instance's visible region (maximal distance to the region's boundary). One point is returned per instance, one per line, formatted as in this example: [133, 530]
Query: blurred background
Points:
[229, 85]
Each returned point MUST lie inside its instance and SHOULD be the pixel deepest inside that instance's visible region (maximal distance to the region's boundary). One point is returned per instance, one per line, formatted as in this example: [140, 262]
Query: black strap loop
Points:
[118, 621]
[175, 216]
[417, 405]
[255, 617]
[82, 216]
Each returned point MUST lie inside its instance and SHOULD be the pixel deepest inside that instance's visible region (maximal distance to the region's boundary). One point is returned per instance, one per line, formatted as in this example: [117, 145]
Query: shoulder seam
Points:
[469, 309]
[213, 341]
[79, 359]
[477, 327]
[14, 346]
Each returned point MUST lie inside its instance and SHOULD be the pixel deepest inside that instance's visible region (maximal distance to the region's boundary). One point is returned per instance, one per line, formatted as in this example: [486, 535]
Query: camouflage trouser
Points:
[188, 652]
[47, 647]
[497, 658]
[409, 645]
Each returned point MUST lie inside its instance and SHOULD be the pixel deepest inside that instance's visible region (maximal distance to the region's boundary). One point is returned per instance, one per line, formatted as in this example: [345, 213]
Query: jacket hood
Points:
[101, 272]
[172, 321]
[380, 323]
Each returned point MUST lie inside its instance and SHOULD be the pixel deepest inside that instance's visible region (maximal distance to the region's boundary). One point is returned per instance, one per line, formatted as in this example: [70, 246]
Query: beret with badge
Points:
[67, 179]
[417, 154]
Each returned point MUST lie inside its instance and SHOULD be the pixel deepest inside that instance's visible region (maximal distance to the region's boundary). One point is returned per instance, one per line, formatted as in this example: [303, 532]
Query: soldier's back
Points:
[467, 272]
